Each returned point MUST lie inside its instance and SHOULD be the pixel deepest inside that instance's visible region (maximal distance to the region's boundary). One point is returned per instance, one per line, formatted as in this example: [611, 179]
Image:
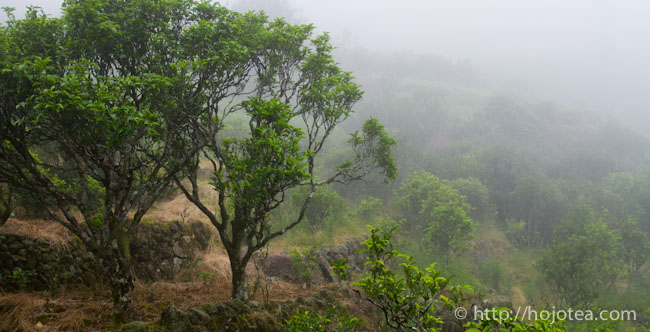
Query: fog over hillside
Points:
[589, 54]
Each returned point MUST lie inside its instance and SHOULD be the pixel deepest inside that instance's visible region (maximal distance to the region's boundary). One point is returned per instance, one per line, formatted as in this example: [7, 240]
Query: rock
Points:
[179, 251]
[175, 320]
[325, 269]
[199, 317]
[201, 234]
[280, 266]
[135, 326]
[240, 306]
[217, 309]
[254, 304]
[15, 246]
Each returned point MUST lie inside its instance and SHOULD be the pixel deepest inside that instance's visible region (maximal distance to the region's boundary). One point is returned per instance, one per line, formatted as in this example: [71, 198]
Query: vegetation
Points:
[304, 263]
[336, 319]
[116, 109]
[439, 210]
[296, 79]
[138, 101]
[410, 300]
[96, 130]
[513, 324]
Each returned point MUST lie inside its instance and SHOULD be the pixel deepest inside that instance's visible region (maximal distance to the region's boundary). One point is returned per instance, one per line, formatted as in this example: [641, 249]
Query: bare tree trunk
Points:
[120, 273]
[6, 203]
[239, 278]
[122, 283]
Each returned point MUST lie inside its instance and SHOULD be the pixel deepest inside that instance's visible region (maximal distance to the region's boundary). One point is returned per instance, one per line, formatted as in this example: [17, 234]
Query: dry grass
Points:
[177, 208]
[215, 260]
[89, 309]
[49, 231]
[80, 314]
[68, 312]
[151, 299]
[518, 297]
[494, 241]
[17, 312]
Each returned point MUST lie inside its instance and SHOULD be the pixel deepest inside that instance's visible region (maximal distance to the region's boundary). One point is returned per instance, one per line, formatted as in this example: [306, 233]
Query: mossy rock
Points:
[135, 326]
[175, 319]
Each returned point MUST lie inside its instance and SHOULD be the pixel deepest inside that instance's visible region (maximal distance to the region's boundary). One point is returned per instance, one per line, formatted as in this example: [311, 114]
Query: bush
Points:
[20, 278]
[516, 232]
[326, 204]
[412, 299]
[304, 263]
[336, 319]
[496, 320]
[370, 207]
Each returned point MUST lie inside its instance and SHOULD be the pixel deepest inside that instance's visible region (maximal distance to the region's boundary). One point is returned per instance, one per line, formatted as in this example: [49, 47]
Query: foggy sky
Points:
[594, 53]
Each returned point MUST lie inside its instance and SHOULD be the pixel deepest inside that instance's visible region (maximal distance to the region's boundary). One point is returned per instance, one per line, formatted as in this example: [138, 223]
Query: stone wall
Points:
[159, 250]
[33, 264]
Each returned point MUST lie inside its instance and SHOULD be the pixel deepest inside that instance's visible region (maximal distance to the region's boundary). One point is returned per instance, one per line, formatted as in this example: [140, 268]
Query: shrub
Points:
[304, 263]
[336, 319]
[516, 232]
[495, 321]
[412, 299]
[20, 278]
[325, 204]
[370, 207]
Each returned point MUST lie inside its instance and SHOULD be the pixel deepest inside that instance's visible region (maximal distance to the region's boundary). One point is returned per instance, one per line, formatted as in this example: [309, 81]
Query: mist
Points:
[585, 54]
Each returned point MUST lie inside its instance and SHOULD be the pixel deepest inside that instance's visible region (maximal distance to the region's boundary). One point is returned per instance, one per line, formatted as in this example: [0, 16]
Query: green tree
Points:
[502, 167]
[326, 203]
[438, 210]
[626, 196]
[99, 110]
[583, 265]
[370, 207]
[294, 81]
[539, 203]
[635, 244]
[449, 228]
[412, 194]
[477, 197]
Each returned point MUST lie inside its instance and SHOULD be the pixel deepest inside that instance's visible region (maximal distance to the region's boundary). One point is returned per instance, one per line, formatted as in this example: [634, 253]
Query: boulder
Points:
[280, 266]
[175, 320]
